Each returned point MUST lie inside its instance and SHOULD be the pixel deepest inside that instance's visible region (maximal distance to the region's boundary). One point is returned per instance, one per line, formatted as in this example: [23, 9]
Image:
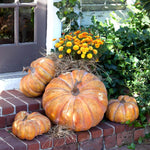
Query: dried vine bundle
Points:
[59, 131]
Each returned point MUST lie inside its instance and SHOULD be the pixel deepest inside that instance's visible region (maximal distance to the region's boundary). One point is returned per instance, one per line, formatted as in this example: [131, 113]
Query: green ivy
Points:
[67, 14]
[125, 62]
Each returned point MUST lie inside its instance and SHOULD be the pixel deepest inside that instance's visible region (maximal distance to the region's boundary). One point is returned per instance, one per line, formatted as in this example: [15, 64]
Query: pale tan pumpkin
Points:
[76, 99]
[28, 126]
[123, 109]
[40, 72]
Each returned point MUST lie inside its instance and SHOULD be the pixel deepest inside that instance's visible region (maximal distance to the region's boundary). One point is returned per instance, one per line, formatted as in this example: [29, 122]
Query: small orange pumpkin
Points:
[77, 100]
[123, 109]
[40, 72]
[27, 126]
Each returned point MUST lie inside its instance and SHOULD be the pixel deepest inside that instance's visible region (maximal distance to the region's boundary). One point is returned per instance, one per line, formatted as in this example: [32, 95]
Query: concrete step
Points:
[11, 80]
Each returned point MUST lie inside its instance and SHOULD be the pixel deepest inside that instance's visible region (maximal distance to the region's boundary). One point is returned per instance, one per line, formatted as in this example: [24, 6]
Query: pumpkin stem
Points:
[26, 69]
[24, 118]
[122, 101]
[75, 91]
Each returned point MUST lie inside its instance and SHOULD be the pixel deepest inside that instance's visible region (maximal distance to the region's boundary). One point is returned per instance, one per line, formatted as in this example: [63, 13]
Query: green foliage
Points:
[67, 14]
[146, 5]
[131, 146]
[140, 141]
[125, 63]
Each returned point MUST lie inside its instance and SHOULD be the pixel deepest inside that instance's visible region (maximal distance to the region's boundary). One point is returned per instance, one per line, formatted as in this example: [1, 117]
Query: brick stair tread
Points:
[13, 101]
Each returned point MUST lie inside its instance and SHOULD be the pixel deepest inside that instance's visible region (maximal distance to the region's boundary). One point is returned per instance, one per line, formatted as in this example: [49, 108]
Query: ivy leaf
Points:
[140, 140]
[57, 4]
[132, 146]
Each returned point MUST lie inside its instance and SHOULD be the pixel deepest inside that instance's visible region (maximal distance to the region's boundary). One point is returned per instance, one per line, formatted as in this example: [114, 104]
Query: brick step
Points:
[13, 101]
[105, 135]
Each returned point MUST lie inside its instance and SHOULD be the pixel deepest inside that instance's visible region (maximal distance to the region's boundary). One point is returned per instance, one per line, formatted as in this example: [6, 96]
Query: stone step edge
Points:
[10, 80]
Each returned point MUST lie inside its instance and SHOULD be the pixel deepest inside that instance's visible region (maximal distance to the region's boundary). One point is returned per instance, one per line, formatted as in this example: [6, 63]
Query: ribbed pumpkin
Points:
[123, 109]
[40, 72]
[77, 100]
[27, 126]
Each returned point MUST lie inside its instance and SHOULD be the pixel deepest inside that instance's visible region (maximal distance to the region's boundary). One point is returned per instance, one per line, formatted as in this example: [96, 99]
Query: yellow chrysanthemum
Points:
[76, 40]
[82, 55]
[90, 37]
[83, 41]
[60, 56]
[87, 49]
[68, 51]
[54, 39]
[79, 52]
[95, 51]
[97, 45]
[84, 51]
[77, 32]
[84, 34]
[90, 48]
[61, 42]
[97, 60]
[85, 45]
[80, 36]
[74, 37]
[61, 48]
[68, 44]
[69, 37]
[89, 55]
[57, 45]
[75, 47]
[97, 36]
[60, 39]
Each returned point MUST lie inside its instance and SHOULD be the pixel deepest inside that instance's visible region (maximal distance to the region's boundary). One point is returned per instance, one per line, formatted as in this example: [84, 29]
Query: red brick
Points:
[5, 146]
[118, 127]
[18, 104]
[110, 141]
[67, 147]
[129, 128]
[57, 142]
[83, 136]
[4, 133]
[5, 94]
[32, 145]
[6, 107]
[71, 139]
[42, 111]
[10, 120]
[39, 99]
[32, 103]
[139, 133]
[96, 132]
[124, 138]
[107, 130]
[94, 144]
[15, 93]
[45, 141]
[12, 140]
[2, 122]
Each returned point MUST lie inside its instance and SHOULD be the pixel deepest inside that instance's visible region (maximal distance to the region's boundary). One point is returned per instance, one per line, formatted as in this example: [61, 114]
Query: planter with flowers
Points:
[77, 50]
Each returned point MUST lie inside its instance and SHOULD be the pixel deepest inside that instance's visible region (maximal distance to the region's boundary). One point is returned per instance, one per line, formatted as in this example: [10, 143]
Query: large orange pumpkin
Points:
[40, 72]
[123, 109]
[27, 126]
[77, 100]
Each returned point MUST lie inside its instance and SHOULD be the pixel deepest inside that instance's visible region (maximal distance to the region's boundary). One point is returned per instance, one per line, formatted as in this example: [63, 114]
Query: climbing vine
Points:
[67, 14]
